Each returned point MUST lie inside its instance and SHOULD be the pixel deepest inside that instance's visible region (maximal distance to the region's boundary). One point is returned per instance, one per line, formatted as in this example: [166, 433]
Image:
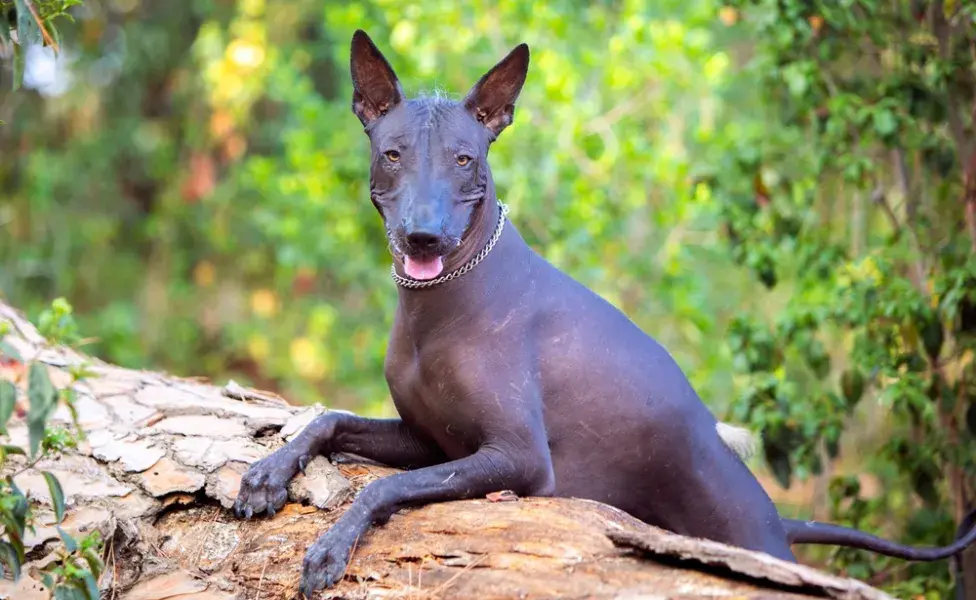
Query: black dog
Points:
[508, 374]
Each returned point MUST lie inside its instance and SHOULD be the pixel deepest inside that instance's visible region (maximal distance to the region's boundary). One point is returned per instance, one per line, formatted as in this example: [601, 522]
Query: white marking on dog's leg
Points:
[739, 439]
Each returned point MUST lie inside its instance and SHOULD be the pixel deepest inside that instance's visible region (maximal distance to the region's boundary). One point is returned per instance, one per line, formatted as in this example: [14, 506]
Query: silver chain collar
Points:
[419, 284]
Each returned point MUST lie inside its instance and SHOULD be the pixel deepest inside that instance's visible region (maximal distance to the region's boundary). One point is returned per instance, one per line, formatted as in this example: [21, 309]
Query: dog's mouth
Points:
[423, 268]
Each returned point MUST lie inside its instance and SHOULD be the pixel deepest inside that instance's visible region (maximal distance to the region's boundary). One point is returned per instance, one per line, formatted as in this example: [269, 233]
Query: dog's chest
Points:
[428, 400]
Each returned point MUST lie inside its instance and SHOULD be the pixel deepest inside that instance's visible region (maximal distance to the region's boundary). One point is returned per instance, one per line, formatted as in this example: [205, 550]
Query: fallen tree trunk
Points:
[162, 465]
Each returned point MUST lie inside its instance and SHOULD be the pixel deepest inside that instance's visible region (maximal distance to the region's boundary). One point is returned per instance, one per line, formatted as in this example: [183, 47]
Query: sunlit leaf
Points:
[70, 543]
[43, 401]
[57, 494]
[69, 396]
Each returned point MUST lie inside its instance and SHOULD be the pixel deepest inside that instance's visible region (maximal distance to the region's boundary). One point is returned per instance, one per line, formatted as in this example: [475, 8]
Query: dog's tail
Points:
[743, 443]
[815, 532]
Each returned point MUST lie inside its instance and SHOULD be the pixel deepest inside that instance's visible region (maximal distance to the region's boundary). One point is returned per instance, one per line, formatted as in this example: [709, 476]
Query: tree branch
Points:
[878, 197]
[920, 266]
[905, 187]
[177, 448]
[943, 34]
[969, 199]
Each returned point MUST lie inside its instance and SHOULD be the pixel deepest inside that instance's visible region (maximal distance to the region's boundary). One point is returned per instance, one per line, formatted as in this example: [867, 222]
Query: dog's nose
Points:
[422, 241]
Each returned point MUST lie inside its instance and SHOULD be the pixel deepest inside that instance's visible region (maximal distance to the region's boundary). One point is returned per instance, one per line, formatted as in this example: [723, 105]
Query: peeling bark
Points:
[162, 464]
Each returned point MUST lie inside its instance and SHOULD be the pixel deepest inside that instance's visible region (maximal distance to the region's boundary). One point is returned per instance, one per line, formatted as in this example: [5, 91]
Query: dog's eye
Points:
[463, 160]
[393, 156]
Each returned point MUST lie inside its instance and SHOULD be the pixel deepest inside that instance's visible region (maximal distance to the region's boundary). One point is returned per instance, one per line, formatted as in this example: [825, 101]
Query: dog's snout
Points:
[423, 241]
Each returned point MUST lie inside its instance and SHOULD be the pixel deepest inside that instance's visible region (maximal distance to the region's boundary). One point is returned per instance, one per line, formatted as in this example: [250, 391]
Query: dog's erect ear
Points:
[375, 86]
[492, 99]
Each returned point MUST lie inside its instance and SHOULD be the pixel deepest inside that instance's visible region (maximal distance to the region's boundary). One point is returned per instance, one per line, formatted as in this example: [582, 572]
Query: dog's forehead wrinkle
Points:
[399, 138]
[431, 110]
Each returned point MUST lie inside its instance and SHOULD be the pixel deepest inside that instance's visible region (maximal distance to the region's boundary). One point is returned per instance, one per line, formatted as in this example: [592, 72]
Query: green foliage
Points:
[851, 197]
[78, 565]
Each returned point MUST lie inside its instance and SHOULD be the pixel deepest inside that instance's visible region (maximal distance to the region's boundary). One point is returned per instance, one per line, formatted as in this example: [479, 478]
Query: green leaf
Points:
[94, 561]
[57, 494]
[778, 459]
[19, 64]
[28, 32]
[14, 534]
[9, 557]
[7, 349]
[832, 440]
[69, 396]
[43, 400]
[852, 386]
[11, 449]
[932, 335]
[70, 543]
[925, 486]
[64, 592]
[79, 372]
[949, 9]
[55, 33]
[884, 122]
[8, 449]
[19, 511]
[4, 28]
[91, 585]
[40, 390]
[8, 397]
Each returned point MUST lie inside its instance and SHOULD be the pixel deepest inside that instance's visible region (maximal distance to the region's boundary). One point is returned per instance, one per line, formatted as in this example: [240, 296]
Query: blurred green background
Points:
[774, 189]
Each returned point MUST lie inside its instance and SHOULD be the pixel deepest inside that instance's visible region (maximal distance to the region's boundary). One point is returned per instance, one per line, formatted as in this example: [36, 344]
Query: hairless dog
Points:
[507, 374]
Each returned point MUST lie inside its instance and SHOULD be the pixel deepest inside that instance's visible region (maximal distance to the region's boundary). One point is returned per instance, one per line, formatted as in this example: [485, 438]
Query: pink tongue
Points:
[423, 269]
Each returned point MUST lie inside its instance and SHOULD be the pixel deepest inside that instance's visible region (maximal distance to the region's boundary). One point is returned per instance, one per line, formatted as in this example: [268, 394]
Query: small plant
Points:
[75, 572]
[33, 22]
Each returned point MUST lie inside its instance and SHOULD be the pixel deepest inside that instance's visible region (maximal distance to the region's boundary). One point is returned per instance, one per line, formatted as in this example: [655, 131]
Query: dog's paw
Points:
[264, 487]
[325, 562]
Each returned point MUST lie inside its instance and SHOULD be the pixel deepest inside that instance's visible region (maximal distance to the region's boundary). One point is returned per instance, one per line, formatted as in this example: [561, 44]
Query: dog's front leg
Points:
[524, 468]
[264, 486]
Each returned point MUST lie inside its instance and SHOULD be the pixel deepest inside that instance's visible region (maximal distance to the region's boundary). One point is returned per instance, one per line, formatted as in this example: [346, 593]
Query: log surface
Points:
[161, 467]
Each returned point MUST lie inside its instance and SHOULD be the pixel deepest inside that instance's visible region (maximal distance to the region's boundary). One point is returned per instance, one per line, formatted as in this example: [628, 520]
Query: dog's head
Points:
[429, 176]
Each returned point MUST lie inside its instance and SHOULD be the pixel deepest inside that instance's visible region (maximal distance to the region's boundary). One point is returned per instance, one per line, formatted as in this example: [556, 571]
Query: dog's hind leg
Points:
[264, 486]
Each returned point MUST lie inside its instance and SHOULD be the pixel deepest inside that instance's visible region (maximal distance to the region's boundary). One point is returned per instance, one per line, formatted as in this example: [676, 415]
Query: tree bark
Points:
[162, 464]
